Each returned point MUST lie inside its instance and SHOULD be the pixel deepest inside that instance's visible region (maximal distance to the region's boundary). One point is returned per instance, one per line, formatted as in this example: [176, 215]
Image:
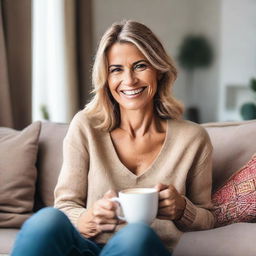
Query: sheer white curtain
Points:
[54, 75]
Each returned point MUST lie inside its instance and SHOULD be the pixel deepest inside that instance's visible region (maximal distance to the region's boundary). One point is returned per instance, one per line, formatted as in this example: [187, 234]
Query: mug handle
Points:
[117, 200]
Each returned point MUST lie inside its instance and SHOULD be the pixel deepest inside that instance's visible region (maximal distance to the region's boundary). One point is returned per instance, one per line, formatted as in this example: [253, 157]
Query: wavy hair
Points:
[103, 106]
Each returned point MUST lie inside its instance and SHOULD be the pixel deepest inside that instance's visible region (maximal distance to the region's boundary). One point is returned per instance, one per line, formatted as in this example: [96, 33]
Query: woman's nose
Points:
[129, 78]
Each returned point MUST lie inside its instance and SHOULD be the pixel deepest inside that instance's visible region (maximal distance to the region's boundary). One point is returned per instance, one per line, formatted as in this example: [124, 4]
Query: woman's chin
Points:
[133, 106]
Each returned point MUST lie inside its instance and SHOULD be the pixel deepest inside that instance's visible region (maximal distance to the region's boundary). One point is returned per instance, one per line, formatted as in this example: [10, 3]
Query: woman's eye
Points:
[115, 70]
[140, 67]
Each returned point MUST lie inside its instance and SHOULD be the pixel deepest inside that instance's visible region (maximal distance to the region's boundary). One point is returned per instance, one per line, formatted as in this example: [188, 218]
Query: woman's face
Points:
[132, 80]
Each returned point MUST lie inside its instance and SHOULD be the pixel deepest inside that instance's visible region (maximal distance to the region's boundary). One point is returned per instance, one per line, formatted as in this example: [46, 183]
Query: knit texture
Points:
[91, 167]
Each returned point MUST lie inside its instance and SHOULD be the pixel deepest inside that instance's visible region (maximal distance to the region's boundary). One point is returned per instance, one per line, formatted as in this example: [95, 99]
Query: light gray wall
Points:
[206, 20]
[238, 55]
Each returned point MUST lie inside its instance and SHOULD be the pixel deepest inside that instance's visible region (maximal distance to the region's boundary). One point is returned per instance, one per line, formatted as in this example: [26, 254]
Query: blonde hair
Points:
[103, 107]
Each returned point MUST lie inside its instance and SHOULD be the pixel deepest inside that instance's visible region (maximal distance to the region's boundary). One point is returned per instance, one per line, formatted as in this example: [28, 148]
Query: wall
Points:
[205, 20]
[238, 55]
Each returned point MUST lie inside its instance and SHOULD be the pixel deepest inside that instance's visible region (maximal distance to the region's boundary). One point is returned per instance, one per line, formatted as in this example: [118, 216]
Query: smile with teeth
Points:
[133, 92]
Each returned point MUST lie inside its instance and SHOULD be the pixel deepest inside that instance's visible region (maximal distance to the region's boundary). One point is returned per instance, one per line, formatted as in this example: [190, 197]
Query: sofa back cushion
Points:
[233, 146]
[18, 154]
[49, 161]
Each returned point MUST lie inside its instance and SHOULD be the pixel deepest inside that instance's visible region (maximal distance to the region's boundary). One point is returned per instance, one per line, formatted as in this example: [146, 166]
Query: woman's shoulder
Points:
[189, 134]
[81, 119]
[186, 124]
[188, 128]
[82, 124]
[82, 130]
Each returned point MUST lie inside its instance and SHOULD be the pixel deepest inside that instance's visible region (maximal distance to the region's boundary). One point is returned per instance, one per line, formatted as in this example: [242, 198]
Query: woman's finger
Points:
[92, 232]
[104, 213]
[109, 194]
[166, 211]
[161, 217]
[165, 194]
[106, 204]
[107, 227]
[165, 203]
[101, 221]
[168, 193]
[173, 209]
[159, 187]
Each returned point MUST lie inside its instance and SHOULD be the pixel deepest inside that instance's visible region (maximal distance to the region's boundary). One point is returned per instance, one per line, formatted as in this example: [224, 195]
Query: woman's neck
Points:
[140, 122]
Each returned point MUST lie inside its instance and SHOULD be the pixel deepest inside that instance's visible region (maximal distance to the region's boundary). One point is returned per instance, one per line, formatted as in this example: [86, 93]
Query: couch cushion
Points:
[235, 201]
[18, 153]
[49, 161]
[232, 240]
[7, 238]
[233, 146]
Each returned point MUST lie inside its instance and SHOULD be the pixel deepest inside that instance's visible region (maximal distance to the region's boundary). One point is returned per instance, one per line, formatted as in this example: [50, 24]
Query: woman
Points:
[129, 135]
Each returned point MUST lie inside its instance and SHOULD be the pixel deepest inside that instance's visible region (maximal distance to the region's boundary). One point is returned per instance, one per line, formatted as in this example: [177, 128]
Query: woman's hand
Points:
[100, 218]
[171, 203]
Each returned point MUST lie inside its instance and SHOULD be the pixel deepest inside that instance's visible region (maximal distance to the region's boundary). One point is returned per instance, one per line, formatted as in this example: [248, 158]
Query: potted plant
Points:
[195, 52]
[248, 109]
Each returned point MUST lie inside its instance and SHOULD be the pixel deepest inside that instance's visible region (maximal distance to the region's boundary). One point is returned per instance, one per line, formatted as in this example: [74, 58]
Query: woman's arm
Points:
[192, 210]
[197, 214]
[71, 188]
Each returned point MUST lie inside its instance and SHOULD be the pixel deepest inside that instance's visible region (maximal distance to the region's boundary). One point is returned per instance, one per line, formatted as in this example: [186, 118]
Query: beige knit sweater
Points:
[91, 167]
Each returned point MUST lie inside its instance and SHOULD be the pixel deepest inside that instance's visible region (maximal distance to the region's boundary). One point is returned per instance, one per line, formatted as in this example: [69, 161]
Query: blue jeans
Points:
[50, 233]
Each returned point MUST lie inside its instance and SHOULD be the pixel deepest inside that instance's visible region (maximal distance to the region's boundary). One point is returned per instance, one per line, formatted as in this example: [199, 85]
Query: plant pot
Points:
[193, 114]
[248, 111]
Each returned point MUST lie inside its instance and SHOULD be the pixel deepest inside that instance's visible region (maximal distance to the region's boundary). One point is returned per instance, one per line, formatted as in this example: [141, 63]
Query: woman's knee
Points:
[138, 234]
[134, 239]
[52, 231]
[47, 220]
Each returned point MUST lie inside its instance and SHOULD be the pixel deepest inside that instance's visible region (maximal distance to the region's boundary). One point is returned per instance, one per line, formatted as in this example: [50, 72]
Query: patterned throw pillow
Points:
[235, 201]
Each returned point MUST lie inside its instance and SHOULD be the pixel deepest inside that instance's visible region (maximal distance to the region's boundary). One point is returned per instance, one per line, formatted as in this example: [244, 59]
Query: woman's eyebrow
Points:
[115, 65]
[119, 66]
[137, 62]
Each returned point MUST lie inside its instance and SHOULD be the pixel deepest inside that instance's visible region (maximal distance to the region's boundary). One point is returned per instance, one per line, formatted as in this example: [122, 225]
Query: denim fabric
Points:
[136, 239]
[49, 232]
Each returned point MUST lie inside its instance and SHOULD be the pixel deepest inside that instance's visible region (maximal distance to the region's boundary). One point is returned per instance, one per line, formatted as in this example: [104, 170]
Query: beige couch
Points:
[234, 144]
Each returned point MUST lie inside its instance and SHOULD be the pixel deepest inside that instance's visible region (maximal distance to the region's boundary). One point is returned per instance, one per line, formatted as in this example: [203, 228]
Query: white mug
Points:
[138, 204]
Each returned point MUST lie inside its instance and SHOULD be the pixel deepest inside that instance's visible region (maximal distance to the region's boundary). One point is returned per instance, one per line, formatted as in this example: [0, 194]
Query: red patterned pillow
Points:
[235, 201]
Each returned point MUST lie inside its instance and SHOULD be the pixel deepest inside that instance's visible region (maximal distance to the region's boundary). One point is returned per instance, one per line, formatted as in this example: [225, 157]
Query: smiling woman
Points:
[132, 37]
[132, 80]
[130, 135]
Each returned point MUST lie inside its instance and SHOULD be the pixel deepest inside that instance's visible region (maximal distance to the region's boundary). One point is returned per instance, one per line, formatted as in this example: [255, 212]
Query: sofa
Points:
[234, 143]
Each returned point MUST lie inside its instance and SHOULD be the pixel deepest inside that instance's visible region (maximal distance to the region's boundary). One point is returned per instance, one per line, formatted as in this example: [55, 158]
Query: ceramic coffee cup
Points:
[138, 204]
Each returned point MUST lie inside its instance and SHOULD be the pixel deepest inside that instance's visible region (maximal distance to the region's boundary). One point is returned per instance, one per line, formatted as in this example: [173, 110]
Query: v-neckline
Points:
[153, 163]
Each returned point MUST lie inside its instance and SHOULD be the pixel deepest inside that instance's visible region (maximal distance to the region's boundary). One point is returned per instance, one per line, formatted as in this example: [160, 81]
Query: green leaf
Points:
[195, 52]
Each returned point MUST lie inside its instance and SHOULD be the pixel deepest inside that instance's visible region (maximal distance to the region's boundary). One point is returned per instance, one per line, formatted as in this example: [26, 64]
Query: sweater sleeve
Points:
[71, 189]
[197, 214]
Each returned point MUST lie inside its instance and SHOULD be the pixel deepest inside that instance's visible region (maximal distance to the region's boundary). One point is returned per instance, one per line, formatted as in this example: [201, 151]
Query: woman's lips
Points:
[134, 92]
